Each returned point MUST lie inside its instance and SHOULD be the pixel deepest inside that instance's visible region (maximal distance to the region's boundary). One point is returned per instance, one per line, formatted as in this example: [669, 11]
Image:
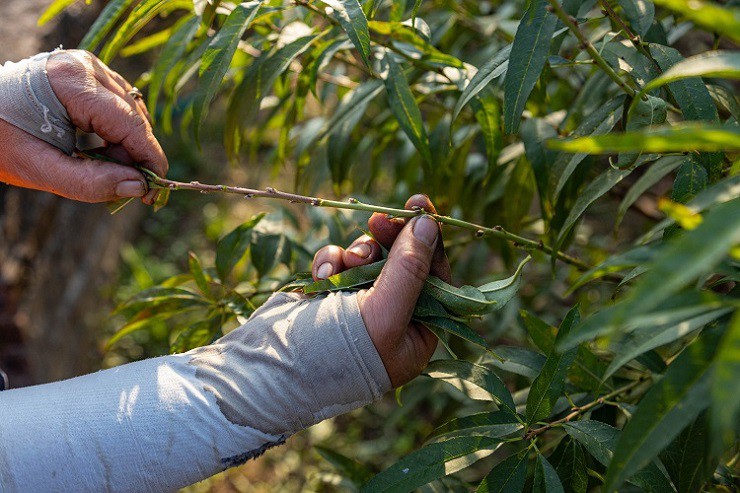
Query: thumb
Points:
[89, 180]
[397, 289]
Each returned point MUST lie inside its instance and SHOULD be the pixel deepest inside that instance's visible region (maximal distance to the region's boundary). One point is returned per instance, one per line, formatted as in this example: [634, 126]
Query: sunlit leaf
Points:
[104, 23]
[492, 424]
[232, 247]
[508, 476]
[352, 18]
[477, 382]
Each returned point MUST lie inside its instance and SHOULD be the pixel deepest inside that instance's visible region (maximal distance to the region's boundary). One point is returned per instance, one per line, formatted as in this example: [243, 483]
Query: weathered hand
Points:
[97, 100]
[416, 250]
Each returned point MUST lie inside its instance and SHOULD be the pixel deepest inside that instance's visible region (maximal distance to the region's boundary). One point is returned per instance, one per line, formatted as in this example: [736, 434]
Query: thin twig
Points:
[354, 204]
[577, 411]
[572, 24]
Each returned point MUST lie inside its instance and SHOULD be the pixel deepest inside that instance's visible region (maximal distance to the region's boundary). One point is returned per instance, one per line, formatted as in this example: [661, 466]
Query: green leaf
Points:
[199, 334]
[356, 101]
[667, 408]
[232, 247]
[409, 37]
[689, 459]
[160, 299]
[548, 386]
[650, 337]
[600, 122]
[477, 382]
[653, 175]
[465, 300]
[492, 424]
[104, 23]
[546, 479]
[508, 476]
[349, 468]
[691, 94]
[402, 103]
[256, 84]
[570, 464]
[431, 462]
[724, 64]
[615, 263]
[686, 137]
[487, 112]
[182, 33]
[216, 60]
[721, 19]
[644, 112]
[684, 260]
[501, 292]
[599, 439]
[199, 276]
[350, 278]
[639, 13]
[352, 18]
[691, 179]
[725, 412]
[528, 56]
[53, 10]
[454, 327]
[140, 16]
[268, 250]
[518, 360]
[493, 69]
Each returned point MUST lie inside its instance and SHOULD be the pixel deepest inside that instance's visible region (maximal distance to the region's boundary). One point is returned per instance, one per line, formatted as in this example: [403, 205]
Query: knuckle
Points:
[413, 264]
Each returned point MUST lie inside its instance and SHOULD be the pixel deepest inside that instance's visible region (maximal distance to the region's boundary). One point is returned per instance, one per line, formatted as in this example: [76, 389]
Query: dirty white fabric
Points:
[27, 101]
[164, 423]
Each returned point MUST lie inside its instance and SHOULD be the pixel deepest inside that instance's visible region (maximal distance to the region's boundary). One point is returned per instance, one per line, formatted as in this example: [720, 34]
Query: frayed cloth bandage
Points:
[28, 102]
[164, 423]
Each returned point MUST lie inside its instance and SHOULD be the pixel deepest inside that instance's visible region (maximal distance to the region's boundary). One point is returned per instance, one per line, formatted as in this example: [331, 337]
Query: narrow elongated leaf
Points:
[668, 407]
[599, 439]
[182, 33]
[355, 101]
[645, 339]
[689, 459]
[492, 424]
[196, 269]
[199, 334]
[431, 462]
[217, 57]
[616, 263]
[465, 300]
[599, 122]
[402, 103]
[639, 13]
[410, 39]
[546, 479]
[653, 175]
[104, 23]
[504, 290]
[53, 10]
[351, 469]
[518, 360]
[487, 112]
[722, 19]
[690, 180]
[570, 464]
[645, 112]
[256, 84]
[352, 18]
[528, 56]
[351, 278]
[232, 247]
[724, 64]
[725, 412]
[508, 476]
[478, 382]
[491, 70]
[686, 137]
[547, 387]
[454, 327]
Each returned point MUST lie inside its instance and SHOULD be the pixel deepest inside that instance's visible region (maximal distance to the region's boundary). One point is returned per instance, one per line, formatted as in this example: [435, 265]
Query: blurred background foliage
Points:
[470, 102]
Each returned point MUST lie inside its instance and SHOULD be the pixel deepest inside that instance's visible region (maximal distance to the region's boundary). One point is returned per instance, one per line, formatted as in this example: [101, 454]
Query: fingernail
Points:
[362, 250]
[425, 229]
[325, 270]
[130, 188]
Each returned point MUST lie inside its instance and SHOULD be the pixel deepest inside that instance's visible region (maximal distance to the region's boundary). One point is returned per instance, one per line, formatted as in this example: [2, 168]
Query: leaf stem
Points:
[577, 411]
[572, 24]
[354, 204]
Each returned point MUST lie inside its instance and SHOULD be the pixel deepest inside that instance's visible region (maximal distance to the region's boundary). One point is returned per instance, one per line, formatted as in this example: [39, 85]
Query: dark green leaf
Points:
[352, 18]
[268, 250]
[639, 13]
[455, 327]
[492, 424]
[232, 247]
[487, 73]
[508, 476]
[546, 479]
[431, 462]
[198, 334]
[198, 275]
[478, 382]
[217, 57]
[487, 112]
[528, 56]
[349, 468]
[691, 179]
[518, 360]
[570, 464]
[548, 386]
[725, 413]
[689, 459]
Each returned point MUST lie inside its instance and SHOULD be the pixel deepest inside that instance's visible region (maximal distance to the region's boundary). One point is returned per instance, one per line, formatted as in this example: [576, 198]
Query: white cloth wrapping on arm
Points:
[28, 102]
[164, 423]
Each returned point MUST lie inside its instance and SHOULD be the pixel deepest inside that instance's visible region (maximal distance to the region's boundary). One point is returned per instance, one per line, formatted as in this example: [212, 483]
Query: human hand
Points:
[97, 100]
[416, 250]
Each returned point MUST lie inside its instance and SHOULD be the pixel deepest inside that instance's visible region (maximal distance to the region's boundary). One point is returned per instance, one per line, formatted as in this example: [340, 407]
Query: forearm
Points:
[161, 424]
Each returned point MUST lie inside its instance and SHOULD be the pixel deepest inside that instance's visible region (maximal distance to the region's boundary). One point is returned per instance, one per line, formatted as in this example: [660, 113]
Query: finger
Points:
[86, 180]
[386, 231]
[364, 250]
[327, 262]
[94, 108]
[119, 85]
[397, 289]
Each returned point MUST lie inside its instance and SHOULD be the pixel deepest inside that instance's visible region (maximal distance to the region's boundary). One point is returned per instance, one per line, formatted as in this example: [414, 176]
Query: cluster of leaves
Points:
[501, 112]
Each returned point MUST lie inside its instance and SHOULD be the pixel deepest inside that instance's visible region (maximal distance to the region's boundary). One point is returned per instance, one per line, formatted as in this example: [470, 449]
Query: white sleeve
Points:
[161, 424]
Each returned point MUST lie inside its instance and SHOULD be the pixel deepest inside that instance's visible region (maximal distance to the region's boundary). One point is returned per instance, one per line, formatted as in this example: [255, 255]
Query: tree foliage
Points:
[527, 115]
